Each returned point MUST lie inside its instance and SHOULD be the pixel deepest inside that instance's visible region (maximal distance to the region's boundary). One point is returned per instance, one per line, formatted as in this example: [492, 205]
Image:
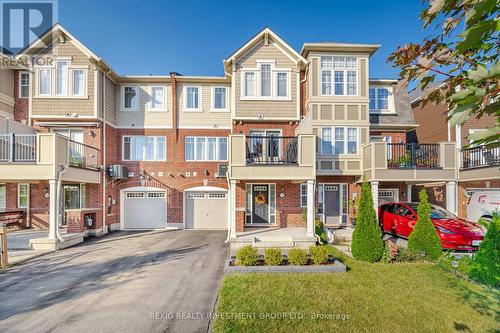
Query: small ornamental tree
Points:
[367, 244]
[424, 237]
[485, 266]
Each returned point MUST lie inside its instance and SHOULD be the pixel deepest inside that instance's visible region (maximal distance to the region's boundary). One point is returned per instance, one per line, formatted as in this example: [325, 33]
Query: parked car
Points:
[482, 204]
[399, 218]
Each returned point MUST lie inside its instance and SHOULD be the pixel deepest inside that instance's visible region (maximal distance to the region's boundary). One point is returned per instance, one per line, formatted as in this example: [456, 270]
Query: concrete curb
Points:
[337, 267]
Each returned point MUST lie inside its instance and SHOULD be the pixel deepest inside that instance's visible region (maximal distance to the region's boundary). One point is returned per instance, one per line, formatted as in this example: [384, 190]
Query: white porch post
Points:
[53, 209]
[232, 208]
[310, 208]
[408, 192]
[451, 197]
[375, 196]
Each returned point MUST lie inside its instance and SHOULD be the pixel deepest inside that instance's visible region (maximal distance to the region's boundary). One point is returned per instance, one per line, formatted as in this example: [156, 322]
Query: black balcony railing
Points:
[412, 155]
[82, 155]
[481, 156]
[267, 150]
[17, 147]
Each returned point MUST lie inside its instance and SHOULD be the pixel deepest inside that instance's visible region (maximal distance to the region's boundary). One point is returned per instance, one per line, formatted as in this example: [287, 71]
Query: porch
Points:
[284, 238]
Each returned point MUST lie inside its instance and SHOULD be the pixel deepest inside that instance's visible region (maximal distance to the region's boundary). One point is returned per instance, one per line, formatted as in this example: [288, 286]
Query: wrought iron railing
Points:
[17, 147]
[412, 155]
[82, 155]
[267, 150]
[481, 156]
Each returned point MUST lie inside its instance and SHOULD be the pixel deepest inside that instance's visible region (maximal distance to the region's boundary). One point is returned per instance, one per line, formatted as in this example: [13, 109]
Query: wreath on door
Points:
[260, 199]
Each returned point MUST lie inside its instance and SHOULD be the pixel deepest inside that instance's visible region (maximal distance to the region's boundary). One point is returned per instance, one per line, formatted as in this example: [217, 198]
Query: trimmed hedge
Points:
[319, 254]
[273, 256]
[297, 257]
[247, 256]
[424, 237]
[367, 243]
[485, 266]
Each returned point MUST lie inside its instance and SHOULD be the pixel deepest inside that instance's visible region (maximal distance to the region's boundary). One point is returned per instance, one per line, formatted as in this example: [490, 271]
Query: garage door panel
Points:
[206, 210]
[144, 210]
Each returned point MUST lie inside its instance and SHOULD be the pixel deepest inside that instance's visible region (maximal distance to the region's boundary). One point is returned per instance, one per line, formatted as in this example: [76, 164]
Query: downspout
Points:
[174, 105]
[103, 153]
[58, 199]
[230, 216]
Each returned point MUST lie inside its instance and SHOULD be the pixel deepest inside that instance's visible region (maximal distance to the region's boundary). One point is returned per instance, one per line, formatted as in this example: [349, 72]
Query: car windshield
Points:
[437, 212]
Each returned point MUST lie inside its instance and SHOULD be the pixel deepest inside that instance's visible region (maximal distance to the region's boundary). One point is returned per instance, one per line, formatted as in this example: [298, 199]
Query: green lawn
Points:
[416, 297]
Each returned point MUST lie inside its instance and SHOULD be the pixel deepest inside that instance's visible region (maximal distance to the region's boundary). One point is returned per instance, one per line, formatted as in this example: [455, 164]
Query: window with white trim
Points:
[281, 84]
[249, 84]
[78, 82]
[130, 97]
[44, 81]
[62, 78]
[380, 99]
[266, 82]
[24, 84]
[201, 148]
[220, 98]
[344, 71]
[144, 148]
[157, 97]
[22, 195]
[339, 140]
[303, 195]
[192, 98]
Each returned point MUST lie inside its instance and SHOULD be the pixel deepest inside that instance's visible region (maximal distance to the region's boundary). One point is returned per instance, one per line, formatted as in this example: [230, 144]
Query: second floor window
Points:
[379, 99]
[130, 97]
[220, 98]
[24, 84]
[157, 97]
[200, 148]
[62, 78]
[78, 82]
[193, 98]
[339, 140]
[267, 82]
[144, 148]
[344, 71]
[44, 81]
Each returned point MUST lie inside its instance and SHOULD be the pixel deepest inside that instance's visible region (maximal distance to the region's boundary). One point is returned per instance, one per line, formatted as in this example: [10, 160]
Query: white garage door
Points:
[206, 210]
[144, 210]
[387, 195]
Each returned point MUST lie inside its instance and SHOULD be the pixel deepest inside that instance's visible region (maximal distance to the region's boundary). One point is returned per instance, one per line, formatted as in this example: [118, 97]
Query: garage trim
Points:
[201, 189]
[159, 192]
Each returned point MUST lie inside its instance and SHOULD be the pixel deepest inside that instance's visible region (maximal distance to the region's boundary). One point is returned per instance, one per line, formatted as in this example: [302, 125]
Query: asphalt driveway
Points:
[124, 282]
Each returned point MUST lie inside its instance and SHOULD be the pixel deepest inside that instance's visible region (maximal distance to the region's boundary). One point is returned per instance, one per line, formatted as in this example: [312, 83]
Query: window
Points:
[249, 84]
[199, 148]
[75, 135]
[44, 81]
[22, 195]
[24, 83]
[144, 148]
[3, 196]
[219, 98]
[157, 98]
[303, 195]
[282, 84]
[78, 82]
[72, 199]
[62, 78]
[130, 97]
[339, 140]
[192, 98]
[344, 71]
[265, 80]
[379, 99]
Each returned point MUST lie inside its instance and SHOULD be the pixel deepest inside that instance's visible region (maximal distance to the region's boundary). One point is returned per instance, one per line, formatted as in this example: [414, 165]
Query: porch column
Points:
[310, 208]
[375, 197]
[53, 207]
[451, 197]
[232, 208]
[408, 192]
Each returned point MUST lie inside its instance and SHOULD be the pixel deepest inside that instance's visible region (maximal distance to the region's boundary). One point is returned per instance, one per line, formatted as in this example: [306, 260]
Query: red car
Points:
[399, 218]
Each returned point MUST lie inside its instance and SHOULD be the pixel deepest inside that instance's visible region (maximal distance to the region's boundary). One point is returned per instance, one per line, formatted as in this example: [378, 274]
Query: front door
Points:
[260, 204]
[332, 204]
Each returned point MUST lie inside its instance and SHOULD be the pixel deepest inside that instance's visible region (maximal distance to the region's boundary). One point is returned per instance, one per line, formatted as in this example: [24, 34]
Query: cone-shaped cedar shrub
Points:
[367, 244]
[424, 237]
[485, 266]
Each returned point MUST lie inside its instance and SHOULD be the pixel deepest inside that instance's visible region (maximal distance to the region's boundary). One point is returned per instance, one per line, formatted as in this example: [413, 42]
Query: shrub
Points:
[390, 252]
[247, 256]
[367, 244]
[320, 231]
[273, 256]
[485, 266]
[297, 257]
[319, 254]
[446, 261]
[464, 265]
[405, 255]
[424, 237]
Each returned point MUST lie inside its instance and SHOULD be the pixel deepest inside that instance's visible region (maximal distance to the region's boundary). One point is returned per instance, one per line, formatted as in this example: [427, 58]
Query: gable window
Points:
[44, 81]
[62, 78]
[22, 195]
[130, 97]
[282, 84]
[219, 97]
[24, 83]
[265, 80]
[157, 97]
[144, 148]
[192, 98]
[78, 82]
[200, 148]
[249, 84]
[339, 140]
[344, 71]
[379, 99]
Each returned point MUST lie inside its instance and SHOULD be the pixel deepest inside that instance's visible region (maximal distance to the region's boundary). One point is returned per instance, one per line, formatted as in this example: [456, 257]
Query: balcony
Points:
[479, 163]
[39, 156]
[272, 157]
[409, 161]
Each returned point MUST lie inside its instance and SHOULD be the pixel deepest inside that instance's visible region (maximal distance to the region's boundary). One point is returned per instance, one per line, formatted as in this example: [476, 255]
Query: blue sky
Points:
[193, 37]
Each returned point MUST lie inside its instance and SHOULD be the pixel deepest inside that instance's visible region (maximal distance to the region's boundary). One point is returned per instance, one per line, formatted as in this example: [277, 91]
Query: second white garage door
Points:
[206, 209]
[144, 210]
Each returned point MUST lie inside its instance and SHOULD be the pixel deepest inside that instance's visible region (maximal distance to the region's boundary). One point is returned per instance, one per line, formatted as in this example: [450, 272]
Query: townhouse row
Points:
[282, 138]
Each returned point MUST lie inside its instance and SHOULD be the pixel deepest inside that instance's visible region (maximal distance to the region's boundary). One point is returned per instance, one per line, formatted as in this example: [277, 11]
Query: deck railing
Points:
[481, 156]
[280, 150]
[412, 155]
[17, 147]
[82, 155]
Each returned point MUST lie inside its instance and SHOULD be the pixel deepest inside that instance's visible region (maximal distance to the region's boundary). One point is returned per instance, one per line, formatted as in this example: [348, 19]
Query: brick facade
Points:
[21, 105]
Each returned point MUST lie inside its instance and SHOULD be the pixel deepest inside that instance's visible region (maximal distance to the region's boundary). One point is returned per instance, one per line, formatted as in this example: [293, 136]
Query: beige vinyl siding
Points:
[206, 117]
[340, 113]
[143, 116]
[110, 101]
[284, 109]
[6, 92]
[57, 106]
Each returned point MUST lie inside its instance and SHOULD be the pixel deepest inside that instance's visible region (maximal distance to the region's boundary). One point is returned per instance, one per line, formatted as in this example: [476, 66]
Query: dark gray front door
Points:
[260, 205]
[332, 204]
